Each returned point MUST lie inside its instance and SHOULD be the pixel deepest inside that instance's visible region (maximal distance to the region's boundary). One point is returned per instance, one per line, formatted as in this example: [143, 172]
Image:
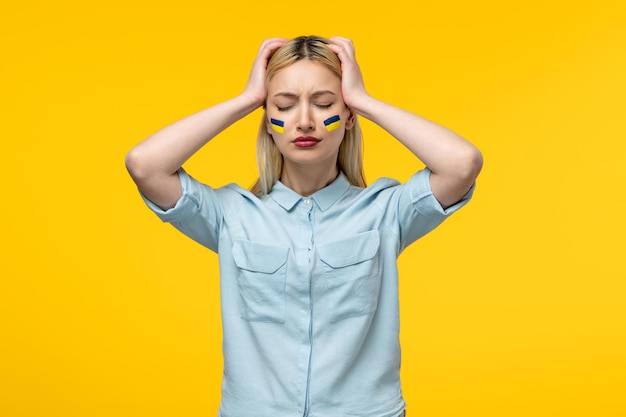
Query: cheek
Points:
[333, 123]
[276, 125]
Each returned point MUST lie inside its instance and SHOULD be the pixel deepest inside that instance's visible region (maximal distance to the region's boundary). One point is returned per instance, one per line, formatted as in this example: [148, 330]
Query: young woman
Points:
[308, 273]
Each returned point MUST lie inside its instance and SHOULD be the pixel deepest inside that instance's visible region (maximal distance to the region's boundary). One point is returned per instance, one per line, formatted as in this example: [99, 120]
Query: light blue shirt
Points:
[309, 291]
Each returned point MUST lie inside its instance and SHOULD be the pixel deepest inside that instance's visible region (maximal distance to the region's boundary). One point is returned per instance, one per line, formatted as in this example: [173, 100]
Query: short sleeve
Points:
[197, 213]
[419, 212]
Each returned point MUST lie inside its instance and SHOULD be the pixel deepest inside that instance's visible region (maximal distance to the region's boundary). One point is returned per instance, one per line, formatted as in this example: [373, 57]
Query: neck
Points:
[306, 180]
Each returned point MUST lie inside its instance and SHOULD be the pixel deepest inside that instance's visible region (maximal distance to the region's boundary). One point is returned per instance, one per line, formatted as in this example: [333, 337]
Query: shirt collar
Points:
[325, 198]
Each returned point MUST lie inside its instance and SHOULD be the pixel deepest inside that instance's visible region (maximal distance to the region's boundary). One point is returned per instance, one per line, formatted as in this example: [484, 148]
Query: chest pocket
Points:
[261, 278]
[352, 273]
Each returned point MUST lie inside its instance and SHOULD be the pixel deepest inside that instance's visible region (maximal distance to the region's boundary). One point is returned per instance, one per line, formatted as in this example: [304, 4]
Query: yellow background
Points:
[513, 307]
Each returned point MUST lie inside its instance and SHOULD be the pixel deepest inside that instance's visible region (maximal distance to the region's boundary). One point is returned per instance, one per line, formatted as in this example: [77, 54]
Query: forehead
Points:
[303, 76]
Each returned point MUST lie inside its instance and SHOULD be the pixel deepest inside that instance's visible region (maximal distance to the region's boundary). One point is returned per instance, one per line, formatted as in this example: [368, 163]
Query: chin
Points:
[310, 157]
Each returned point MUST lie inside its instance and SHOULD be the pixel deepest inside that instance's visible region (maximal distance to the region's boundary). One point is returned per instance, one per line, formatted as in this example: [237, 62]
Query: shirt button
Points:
[307, 201]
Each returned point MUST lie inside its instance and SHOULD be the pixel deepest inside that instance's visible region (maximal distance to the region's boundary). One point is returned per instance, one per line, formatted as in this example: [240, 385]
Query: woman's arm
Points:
[454, 162]
[153, 163]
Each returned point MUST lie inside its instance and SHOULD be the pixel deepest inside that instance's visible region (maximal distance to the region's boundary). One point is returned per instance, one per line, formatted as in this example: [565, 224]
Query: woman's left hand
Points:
[352, 86]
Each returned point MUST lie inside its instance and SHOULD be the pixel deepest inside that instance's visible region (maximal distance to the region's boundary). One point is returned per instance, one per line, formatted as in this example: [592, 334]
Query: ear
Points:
[268, 127]
[351, 120]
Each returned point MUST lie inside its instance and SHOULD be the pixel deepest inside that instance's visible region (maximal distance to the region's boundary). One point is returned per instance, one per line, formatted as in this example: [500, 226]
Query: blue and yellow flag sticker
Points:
[332, 123]
[278, 125]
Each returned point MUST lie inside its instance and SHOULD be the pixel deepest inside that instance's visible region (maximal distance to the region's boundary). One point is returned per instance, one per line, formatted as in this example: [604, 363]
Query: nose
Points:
[305, 119]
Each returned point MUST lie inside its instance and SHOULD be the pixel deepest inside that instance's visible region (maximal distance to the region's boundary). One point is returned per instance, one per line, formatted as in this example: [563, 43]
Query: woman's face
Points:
[301, 98]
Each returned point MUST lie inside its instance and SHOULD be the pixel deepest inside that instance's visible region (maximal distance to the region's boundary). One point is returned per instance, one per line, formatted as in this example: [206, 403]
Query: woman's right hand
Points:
[154, 163]
[255, 88]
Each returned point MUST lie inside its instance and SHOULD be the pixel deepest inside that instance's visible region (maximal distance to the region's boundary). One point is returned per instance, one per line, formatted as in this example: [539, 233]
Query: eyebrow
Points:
[314, 95]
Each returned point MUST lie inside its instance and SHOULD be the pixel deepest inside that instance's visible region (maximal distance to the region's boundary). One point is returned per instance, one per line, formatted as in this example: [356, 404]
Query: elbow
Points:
[468, 165]
[475, 163]
[450, 185]
[136, 165]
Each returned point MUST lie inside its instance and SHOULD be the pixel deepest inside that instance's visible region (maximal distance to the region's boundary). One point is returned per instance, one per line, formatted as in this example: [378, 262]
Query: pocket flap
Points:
[259, 257]
[351, 250]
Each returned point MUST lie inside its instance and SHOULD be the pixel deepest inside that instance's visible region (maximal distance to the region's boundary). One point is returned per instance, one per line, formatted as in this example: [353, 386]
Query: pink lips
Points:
[306, 141]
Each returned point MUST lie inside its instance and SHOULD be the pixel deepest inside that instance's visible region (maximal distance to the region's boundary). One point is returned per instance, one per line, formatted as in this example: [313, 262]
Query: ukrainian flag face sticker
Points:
[278, 125]
[332, 123]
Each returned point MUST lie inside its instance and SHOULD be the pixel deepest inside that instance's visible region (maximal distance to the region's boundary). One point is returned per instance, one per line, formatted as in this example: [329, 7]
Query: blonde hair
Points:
[269, 158]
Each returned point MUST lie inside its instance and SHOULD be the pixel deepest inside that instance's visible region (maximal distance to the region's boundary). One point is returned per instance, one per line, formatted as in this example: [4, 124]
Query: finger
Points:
[340, 39]
[269, 46]
[344, 42]
[344, 55]
[344, 45]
